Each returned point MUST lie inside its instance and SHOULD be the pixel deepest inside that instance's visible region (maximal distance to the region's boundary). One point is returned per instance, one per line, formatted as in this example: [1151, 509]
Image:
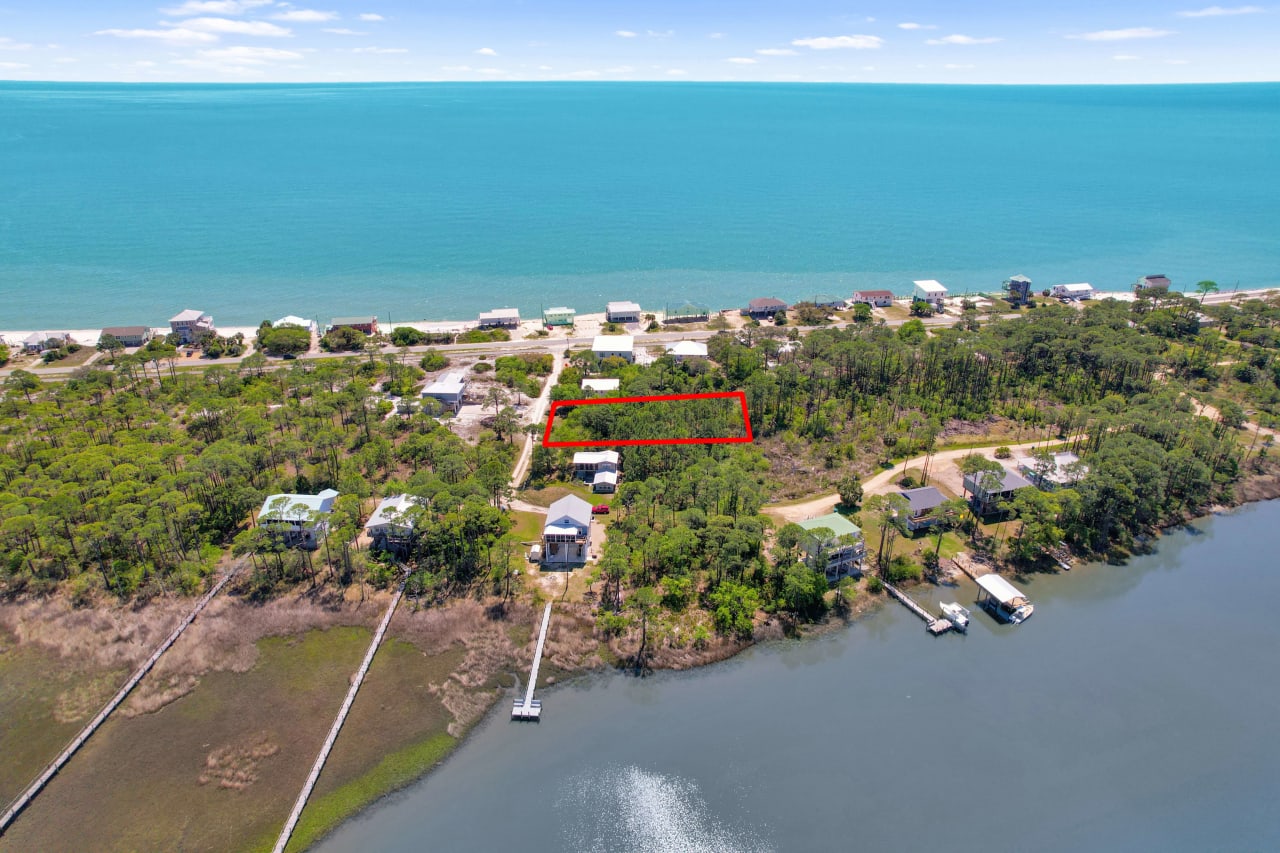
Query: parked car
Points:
[600, 509]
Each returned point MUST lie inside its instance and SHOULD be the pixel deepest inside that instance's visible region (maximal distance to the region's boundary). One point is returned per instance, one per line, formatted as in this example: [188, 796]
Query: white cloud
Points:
[343, 31]
[215, 7]
[626, 34]
[380, 50]
[1218, 11]
[856, 42]
[7, 43]
[1124, 57]
[487, 51]
[776, 51]
[249, 55]
[959, 38]
[911, 25]
[13, 66]
[177, 35]
[305, 16]
[239, 28]
[1123, 35]
[742, 60]
[676, 72]
[371, 16]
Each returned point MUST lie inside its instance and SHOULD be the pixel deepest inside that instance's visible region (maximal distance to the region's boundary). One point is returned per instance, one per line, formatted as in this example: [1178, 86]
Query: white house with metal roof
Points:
[449, 390]
[930, 291]
[566, 535]
[599, 468]
[508, 318]
[601, 384]
[392, 524]
[622, 312]
[294, 320]
[682, 350]
[298, 519]
[1081, 290]
[620, 346]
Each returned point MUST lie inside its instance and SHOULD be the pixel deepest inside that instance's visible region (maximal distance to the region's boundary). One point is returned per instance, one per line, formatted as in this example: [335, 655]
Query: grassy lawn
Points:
[554, 492]
[528, 526]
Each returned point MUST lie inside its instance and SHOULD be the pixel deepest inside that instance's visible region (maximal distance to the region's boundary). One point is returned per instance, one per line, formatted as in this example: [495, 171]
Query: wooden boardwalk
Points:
[51, 769]
[301, 802]
[935, 625]
[530, 708]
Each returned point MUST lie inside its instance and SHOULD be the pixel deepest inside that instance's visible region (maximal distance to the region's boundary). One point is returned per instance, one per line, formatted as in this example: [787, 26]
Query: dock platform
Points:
[934, 625]
[529, 708]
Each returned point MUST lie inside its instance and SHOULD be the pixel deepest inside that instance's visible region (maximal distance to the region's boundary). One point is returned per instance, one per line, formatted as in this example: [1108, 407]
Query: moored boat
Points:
[956, 614]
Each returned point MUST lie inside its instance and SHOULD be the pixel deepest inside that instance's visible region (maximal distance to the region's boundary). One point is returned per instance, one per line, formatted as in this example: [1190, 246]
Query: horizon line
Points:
[663, 80]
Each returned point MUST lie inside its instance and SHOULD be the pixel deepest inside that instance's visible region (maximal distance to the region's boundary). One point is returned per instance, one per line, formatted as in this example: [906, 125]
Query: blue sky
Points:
[1088, 41]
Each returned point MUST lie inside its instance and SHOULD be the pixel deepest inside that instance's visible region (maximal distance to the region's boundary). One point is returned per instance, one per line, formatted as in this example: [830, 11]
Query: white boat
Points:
[1003, 600]
[957, 615]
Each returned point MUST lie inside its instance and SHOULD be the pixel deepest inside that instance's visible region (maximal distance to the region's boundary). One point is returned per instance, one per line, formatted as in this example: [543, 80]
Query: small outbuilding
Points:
[619, 346]
[622, 312]
[602, 384]
[449, 390]
[500, 318]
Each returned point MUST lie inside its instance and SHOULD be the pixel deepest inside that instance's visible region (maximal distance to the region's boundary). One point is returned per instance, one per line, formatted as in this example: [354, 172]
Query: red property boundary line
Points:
[740, 396]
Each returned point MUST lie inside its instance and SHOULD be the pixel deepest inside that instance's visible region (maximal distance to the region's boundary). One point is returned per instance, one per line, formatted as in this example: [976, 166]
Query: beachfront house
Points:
[449, 390]
[622, 312]
[294, 320]
[682, 350]
[392, 524]
[1049, 472]
[1159, 280]
[764, 307]
[566, 535]
[1072, 291]
[928, 290]
[130, 336]
[1017, 289]
[874, 298]
[366, 324]
[38, 342]
[599, 468]
[829, 300]
[922, 502]
[833, 545]
[298, 520]
[988, 490]
[601, 384]
[559, 316]
[191, 325]
[500, 318]
[620, 346]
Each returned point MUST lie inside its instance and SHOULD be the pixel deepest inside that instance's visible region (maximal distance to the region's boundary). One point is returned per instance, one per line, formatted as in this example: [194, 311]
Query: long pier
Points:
[301, 802]
[935, 625]
[51, 769]
[530, 708]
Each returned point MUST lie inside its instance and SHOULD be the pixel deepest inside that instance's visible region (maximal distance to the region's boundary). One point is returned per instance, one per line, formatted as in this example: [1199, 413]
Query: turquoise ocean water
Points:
[126, 203]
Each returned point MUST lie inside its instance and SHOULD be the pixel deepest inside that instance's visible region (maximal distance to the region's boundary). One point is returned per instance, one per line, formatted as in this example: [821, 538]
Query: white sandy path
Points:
[537, 411]
[882, 483]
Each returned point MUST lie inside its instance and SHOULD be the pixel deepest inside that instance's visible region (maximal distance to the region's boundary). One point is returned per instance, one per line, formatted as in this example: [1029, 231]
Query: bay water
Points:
[1136, 710]
[123, 204]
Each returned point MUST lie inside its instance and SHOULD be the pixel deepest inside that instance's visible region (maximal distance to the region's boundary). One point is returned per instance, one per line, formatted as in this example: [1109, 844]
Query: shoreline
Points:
[586, 323]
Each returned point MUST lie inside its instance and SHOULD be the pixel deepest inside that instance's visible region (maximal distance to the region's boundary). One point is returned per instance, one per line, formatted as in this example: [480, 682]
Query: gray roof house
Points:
[449, 390]
[986, 499]
[922, 501]
[566, 535]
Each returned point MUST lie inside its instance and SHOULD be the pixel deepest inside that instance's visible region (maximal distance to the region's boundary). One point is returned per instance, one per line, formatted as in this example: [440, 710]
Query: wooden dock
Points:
[529, 708]
[935, 625]
[283, 840]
